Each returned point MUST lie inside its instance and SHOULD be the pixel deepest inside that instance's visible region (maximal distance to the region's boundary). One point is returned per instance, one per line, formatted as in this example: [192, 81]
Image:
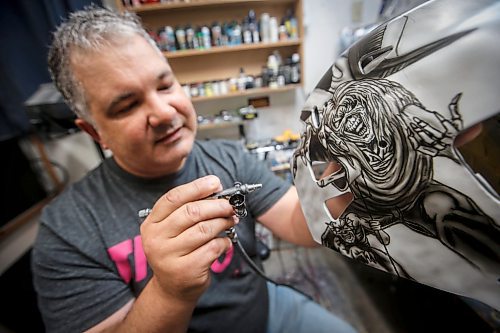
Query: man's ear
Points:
[90, 130]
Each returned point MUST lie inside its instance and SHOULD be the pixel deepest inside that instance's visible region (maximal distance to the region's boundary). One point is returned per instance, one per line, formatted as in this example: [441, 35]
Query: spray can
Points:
[264, 28]
[180, 34]
[247, 34]
[252, 26]
[273, 30]
[216, 34]
[236, 33]
[167, 39]
[205, 32]
[190, 37]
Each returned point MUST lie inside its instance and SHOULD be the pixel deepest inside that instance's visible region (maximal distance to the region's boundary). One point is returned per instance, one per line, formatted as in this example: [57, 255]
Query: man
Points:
[89, 260]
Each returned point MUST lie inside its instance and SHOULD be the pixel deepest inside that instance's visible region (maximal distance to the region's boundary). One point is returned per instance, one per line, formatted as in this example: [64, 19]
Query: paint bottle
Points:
[205, 32]
[264, 28]
[272, 63]
[273, 30]
[180, 35]
[216, 34]
[208, 89]
[162, 39]
[228, 32]
[199, 38]
[247, 34]
[291, 24]
[223, 85]
[295, 75]
[190, 37]
[216, 88]
[252, 26]
[167, 39]
[242, 80]
[283, 34]
[236, 33]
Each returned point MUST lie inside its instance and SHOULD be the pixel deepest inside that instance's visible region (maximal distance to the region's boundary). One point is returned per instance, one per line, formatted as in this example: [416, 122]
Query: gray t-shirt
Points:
[88, 259]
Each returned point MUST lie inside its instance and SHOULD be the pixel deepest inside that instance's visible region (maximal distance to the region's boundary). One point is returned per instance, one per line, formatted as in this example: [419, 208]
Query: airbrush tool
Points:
[235, 195]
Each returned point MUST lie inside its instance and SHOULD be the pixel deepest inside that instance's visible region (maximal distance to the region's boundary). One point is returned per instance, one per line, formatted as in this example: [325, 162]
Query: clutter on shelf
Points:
[222, 34]
[227, 117]
[275, 74]
[277, 152]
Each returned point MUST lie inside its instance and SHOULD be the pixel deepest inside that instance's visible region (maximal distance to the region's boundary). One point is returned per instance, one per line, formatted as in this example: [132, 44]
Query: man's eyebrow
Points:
[117, 100]
[164, 74]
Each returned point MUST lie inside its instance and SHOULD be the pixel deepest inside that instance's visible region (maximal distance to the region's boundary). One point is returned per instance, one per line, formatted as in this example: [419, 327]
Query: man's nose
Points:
[160, 110]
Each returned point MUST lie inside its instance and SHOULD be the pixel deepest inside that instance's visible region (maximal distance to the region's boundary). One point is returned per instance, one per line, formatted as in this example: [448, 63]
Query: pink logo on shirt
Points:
[121, 255]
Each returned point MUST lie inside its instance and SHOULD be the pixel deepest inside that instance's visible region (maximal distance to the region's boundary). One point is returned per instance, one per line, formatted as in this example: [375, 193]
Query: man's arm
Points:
[180, 240]
[286, 220]
[150, 312]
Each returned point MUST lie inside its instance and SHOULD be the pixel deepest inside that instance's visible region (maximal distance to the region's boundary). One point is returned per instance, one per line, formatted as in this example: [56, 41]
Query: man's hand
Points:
[181, 237]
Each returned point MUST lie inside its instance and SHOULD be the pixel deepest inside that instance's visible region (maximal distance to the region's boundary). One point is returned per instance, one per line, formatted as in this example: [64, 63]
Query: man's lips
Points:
[170, 137]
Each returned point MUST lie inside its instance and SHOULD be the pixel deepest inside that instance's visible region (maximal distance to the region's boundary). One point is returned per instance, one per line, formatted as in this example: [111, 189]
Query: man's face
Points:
[139, 110]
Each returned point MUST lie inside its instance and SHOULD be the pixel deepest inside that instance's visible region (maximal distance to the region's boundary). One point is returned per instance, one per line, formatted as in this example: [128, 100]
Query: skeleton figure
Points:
[385, 140]
[349, 236]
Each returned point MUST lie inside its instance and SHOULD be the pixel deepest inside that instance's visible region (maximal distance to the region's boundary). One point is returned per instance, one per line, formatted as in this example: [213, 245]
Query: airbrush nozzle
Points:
[247, 188]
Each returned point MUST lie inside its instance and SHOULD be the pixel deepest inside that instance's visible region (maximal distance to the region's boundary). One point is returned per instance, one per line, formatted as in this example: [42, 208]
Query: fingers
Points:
[211, 251]
[175, 198]
[201, 234]
[192, 213]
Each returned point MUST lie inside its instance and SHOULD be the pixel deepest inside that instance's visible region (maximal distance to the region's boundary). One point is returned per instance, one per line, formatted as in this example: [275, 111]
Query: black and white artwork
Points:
[378, 139]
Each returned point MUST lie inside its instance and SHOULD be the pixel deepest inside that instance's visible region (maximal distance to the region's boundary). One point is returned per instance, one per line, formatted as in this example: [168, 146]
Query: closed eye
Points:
[127, 107]
[164, 87]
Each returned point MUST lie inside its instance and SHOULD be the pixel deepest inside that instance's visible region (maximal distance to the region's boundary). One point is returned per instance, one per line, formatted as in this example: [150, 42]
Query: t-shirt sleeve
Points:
[75, 289]
[251, 170]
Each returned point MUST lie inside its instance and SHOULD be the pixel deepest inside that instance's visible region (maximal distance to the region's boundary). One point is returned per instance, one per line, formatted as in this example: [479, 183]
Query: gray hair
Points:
[90, 29]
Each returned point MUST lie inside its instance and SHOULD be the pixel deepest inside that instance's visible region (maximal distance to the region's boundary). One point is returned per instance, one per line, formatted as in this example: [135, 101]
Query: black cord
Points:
[259, 272]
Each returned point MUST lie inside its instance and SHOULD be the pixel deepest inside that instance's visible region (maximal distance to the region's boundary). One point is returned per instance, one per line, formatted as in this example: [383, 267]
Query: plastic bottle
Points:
[291, 25]
[273, 30]
[199, 38]
[252, 26]
[162, 39]
[247, 34]
[207, 43]
[264, 28]
[236, 33]
[167, 39]
[216, 34]
[242, 80]
[190, 37]
[283, 34]
[180, 35]
[295, 75]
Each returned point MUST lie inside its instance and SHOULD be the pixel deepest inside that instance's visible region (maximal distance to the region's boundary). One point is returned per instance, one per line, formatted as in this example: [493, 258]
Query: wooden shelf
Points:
[248, 92]
[234, 48]
[224, 62]
[197, 3]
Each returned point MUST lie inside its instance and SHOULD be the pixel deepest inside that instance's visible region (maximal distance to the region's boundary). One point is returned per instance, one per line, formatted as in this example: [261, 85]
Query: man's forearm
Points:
[152, 311]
